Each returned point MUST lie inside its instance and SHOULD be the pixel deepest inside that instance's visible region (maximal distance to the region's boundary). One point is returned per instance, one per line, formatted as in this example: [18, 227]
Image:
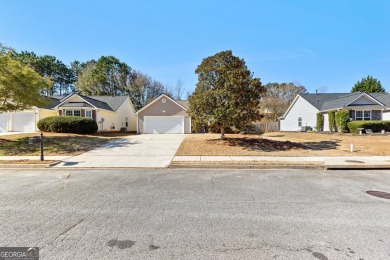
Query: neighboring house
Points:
[110, 112]
[25, 121]
[362, 106]
[164, 116]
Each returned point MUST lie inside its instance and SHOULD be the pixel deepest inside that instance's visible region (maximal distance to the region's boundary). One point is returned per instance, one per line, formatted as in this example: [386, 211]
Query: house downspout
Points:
[39, 117]
[137, 124]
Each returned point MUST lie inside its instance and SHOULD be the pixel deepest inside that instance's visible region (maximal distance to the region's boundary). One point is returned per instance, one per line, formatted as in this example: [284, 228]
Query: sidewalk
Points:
[347, 162]
[251, 162]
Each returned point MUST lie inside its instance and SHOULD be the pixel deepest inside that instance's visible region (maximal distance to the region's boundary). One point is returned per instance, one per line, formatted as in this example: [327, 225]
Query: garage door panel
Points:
[3, 122]
[23, 122]
[163, 125]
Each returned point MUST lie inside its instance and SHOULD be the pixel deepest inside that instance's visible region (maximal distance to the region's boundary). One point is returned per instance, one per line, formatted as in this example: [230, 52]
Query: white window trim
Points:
[362, 117]
[300, 121]
[85, 113]
[72, 111]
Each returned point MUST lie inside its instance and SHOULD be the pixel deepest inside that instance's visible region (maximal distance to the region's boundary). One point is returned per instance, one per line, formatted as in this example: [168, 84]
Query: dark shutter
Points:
[94, 115]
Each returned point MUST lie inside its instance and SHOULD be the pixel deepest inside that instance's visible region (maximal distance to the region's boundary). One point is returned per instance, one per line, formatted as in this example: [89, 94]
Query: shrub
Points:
[332, 120]
[68, 124]
[320, 122]
[342, 118]
[376, 126]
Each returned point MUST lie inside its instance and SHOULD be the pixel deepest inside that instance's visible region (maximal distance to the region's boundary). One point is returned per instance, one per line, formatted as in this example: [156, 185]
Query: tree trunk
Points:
[222, 133]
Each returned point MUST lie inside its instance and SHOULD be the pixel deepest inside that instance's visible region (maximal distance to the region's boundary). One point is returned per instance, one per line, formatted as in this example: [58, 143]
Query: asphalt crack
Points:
[69, 228]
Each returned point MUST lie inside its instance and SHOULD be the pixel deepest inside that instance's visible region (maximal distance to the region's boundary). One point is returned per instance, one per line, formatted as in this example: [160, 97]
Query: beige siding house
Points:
[164, 116]
[112, 113]
[26, 120]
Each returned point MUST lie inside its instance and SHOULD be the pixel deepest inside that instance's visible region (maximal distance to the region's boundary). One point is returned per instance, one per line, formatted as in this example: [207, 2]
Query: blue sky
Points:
[320, 44]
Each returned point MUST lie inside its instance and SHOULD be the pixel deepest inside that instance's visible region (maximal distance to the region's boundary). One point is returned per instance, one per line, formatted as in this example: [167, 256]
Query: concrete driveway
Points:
[152, 151]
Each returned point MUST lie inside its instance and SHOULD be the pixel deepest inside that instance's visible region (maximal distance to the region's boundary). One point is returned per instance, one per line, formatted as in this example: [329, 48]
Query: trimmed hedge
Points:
[376, 126]
[342, 118]
[332, 120]
[68, 124]
[320, 122]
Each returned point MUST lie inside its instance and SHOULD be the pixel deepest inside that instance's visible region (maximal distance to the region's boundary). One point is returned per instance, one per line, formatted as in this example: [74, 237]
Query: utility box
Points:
[305, 128]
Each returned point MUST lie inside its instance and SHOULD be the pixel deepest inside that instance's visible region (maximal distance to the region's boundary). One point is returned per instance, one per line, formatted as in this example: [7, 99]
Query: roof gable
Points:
[351, 100]
[110, 103]
[159, 98]
[364, 99]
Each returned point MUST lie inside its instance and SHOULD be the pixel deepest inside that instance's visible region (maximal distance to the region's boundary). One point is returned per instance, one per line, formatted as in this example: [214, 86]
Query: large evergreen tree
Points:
[227, 94]
[368, 85]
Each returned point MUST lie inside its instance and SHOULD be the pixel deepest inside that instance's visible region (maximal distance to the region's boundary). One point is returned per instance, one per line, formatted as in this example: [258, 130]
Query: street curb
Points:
[237, 165]
[28, 166]
[356, 167]
[218, 165]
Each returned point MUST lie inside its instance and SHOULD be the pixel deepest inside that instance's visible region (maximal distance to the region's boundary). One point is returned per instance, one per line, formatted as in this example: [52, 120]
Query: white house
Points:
[362, 106]
[110, 112]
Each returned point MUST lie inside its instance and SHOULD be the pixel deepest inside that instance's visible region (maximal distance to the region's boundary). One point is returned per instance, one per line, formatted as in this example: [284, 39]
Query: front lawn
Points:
[54, 143]
[285, 144]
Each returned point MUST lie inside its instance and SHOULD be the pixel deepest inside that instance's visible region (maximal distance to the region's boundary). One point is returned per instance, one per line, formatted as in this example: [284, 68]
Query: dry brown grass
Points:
[285, 144]
[25, 162]
[54, 143]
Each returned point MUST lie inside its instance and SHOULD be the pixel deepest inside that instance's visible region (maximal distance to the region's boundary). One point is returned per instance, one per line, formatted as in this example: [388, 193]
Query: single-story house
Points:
[164, 116]
[110, 112]
[26, 121]
[302, 113]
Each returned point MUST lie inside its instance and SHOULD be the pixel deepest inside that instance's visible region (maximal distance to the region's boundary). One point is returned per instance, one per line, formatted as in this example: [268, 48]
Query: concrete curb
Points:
[28, 165]
[356, 167]
[248, 166]
[269, 165]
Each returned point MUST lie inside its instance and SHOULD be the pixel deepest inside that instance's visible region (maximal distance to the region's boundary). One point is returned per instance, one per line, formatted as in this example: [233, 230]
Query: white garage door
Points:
[3, 122]
[23, 122]
[163, 125]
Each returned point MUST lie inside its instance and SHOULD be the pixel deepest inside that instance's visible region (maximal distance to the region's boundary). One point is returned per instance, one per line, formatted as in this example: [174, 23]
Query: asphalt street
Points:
[196, 214]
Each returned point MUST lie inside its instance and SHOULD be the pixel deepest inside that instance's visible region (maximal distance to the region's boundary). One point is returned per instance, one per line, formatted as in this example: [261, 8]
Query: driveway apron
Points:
[151, 151]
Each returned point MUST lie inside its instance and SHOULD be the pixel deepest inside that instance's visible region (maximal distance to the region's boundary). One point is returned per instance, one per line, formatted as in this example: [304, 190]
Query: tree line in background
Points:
[226, 92]
[105, 76]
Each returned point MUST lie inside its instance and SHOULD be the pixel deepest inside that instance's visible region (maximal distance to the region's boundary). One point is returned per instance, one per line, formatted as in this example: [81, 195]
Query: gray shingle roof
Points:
[108, 101]
[327, 101]
[52, 102]
[382, 97]
[339, 102]
[111, 103]
[318, 100]
[183, 103]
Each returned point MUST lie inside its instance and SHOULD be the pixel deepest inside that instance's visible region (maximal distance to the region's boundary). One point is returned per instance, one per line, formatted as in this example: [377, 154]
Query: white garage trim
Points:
[23, 122]
[3, 122]
[164, 124]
